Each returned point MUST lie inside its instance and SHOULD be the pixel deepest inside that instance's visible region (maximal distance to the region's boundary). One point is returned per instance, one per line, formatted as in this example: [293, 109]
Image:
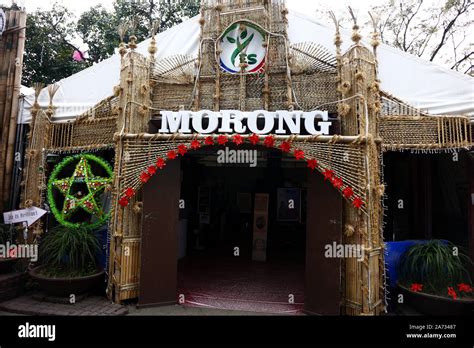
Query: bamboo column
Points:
[364, 281]
[11, 62]
[125, 225]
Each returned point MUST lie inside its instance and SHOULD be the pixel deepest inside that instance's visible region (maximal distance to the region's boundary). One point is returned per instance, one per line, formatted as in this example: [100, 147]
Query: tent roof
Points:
[420, 83]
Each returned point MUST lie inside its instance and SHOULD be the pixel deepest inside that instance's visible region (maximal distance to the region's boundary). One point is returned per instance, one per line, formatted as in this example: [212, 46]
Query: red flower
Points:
[209, 141]
[357, 202]
[452, 293]
[129, 192]
[172, 155]
[464, 288]
[238, 139]
[416, 287]
[254, 139]
[299, 154]
[195, 144]
[144, 177]
[160, 163]
[222, 139]
[182, 149]
[347, 192]
[337, 183]
[151, 170]
[123, 201]
[269, 141]
[285, 146]
[312, 164]
[328, 174]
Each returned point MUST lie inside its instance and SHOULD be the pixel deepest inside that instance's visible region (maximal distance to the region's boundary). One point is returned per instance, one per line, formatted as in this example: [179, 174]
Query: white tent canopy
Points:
[420, 83]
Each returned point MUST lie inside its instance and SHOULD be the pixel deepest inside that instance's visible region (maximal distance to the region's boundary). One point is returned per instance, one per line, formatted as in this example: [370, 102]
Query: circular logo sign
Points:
[243, 48]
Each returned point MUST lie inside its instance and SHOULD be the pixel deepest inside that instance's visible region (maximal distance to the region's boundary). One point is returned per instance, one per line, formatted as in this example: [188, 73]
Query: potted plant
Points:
[68, 262]
[434, 278]
[6, 263]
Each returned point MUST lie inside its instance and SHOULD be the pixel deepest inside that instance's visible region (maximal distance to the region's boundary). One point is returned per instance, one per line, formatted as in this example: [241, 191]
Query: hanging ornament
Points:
[269, 141]
[237, 139]
[254, 139]
[312, 164]
[182, 149]
[151, 170]
[195, 144]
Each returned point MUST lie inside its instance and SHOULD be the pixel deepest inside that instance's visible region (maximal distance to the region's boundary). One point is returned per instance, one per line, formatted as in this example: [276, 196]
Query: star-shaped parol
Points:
[87, 201]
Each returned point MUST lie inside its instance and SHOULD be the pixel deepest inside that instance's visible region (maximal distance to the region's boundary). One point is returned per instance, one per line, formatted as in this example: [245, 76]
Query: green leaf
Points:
[243, 35]
[231, 39]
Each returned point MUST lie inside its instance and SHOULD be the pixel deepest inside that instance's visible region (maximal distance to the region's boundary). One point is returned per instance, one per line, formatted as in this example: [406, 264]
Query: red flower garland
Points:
[347, 192]
[123, 201]
[299, 154]
[357, 203]
[328, 174]
[222, 139]
[129, 192]
[285, 146]
[254, 139]
[238, 139]
[144, 177]
[312, 164]
[337, 183]
[182, 149]
[151, 170]
[209, 140]
[195, 144]
[172, 155]
[160, 163]
[269, 141]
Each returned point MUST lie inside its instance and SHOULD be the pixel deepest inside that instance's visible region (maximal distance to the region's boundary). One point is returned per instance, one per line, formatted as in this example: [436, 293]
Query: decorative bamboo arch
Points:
[371, 122]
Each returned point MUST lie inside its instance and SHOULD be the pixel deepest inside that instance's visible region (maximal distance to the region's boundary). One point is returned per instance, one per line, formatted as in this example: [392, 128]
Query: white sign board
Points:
[235, 121]
[28, 215]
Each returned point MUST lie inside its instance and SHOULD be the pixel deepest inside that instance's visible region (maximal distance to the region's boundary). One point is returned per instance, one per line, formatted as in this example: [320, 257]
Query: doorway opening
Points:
[242, 230]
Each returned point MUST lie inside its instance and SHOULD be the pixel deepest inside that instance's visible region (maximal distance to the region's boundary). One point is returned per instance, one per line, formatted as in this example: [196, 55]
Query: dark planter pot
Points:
[7, 264]
[67, 286]
[436, 305]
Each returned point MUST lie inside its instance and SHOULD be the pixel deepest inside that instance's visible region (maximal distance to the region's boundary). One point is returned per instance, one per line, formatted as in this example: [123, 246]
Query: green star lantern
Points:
[81, 191]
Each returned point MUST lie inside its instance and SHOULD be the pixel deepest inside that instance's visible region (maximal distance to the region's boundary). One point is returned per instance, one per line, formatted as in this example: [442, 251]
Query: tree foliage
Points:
[53, 36]
[436, 33]
[48, 47]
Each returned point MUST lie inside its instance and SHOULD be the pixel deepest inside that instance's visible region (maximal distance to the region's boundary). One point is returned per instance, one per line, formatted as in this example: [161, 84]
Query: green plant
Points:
[69, 252]
[436, 265]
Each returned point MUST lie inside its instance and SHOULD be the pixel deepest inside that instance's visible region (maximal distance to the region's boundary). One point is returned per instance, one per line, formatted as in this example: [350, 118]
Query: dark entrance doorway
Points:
[218, 216]
[223, 260]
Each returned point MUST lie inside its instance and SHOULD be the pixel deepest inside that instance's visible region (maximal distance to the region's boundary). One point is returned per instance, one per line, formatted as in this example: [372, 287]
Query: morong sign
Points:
[235, 121]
